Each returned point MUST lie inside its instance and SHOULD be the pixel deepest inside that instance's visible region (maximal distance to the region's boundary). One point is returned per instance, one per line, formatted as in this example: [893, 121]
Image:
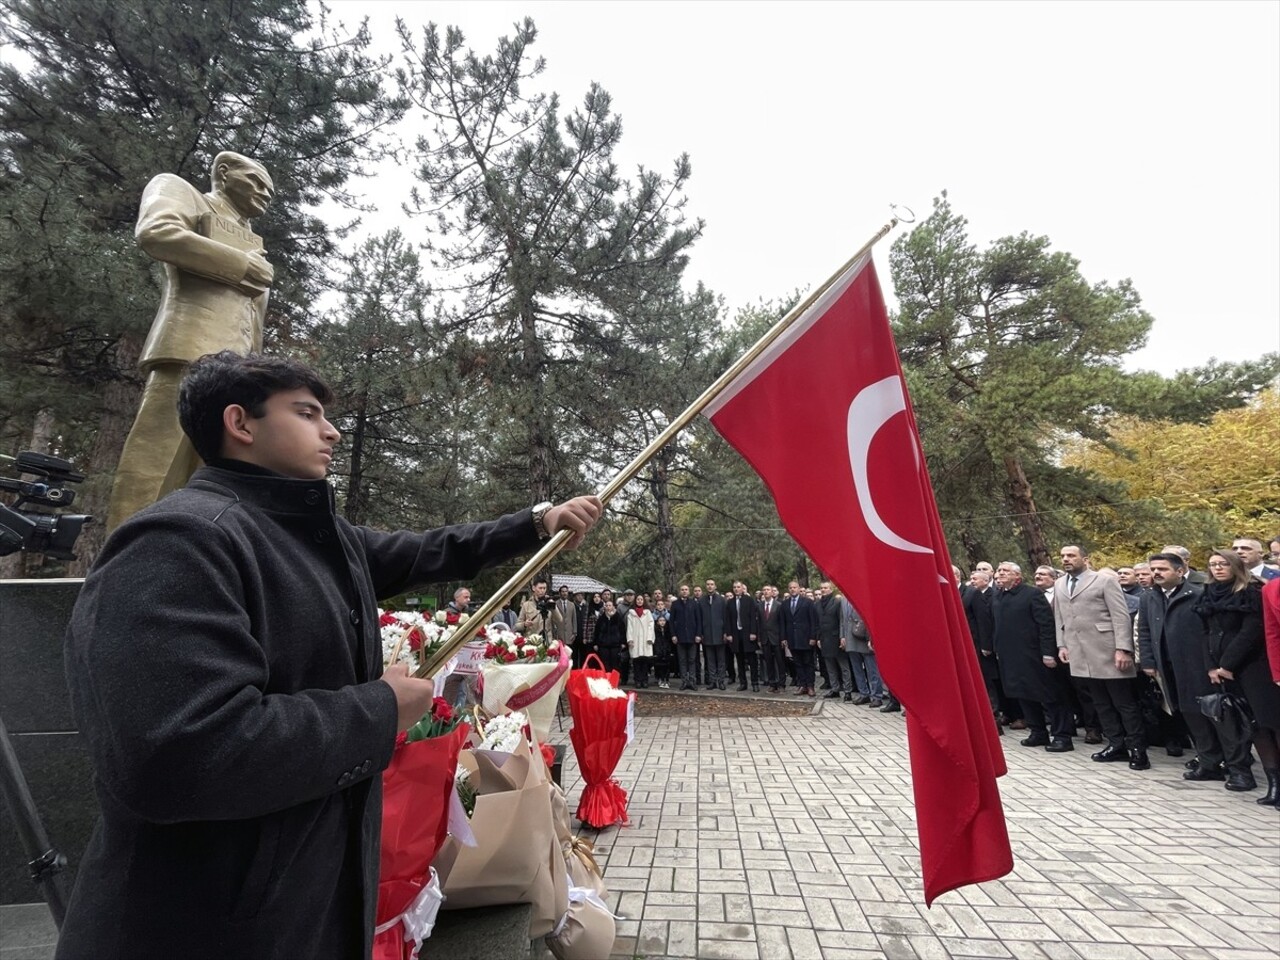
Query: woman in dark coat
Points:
[1231, 607]
[610, 636]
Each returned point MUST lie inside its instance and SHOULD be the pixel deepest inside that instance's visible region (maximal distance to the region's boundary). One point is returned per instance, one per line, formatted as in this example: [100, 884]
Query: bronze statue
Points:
[216, 282]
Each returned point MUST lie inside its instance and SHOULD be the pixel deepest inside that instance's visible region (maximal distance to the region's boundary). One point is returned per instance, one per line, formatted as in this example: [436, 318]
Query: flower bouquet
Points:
[602, 718]
[409, 637]
[521, 673]
[516, 857]
[417, 792]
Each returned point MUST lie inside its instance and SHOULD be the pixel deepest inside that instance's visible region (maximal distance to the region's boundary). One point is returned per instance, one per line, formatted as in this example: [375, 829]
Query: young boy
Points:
[225, 670]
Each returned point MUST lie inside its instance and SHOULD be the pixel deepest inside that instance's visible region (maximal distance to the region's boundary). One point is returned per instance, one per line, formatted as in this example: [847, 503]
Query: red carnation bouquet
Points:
[417, 790]
[523, 673]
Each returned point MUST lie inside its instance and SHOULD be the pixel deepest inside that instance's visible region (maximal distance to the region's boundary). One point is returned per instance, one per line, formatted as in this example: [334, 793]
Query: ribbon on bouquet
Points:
[419, 918]
[544, 686]
[582, 895]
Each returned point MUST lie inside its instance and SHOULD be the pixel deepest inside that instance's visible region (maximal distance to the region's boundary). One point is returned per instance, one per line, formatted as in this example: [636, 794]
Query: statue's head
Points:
[244, 182]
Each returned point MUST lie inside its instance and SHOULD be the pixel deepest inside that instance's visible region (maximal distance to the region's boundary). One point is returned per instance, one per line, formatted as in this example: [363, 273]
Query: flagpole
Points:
[467, 631]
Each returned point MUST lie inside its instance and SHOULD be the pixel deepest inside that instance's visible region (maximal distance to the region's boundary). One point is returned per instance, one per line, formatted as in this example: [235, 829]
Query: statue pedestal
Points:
[37, 710]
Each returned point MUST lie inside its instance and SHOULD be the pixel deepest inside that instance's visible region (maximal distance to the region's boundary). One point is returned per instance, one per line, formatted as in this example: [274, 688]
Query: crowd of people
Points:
[1156, 653]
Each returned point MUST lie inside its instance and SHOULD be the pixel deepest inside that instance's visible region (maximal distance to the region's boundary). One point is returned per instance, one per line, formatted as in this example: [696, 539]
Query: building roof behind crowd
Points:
[578, 584]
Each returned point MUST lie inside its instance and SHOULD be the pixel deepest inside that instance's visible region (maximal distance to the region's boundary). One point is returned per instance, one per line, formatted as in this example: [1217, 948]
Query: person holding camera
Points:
[538, 614]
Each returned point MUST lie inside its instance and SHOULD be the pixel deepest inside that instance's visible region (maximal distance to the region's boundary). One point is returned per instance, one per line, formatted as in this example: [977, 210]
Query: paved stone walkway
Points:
[795, 838]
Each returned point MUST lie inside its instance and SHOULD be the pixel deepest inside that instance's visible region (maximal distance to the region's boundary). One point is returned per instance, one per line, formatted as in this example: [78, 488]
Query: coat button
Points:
[364, 767]
[355, 618]
[312, 497]
[344, 779]
[321, 536]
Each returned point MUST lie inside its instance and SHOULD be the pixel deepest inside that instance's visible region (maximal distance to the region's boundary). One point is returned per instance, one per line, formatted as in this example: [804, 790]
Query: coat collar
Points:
[270, 491]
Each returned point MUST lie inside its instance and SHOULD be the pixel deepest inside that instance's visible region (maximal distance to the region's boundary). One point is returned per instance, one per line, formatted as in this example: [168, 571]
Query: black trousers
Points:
[747, 662]
[687, 654]
[611, 657]
[1214, 745]
[775, 668]
[1118, 712]
[839, 672]
[803, 660]
[1090, 715]
[1055, 714]
[715, 663]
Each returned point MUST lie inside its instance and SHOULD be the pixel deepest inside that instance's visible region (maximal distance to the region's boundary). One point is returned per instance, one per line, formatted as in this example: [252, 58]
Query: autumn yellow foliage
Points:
[1187, 483]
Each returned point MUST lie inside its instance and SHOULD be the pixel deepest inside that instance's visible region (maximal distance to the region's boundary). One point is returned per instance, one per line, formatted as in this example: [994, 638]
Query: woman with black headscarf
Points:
[1231, 607]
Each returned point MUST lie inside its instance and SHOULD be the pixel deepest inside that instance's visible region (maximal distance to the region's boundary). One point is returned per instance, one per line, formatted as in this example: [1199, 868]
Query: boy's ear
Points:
[236, 423]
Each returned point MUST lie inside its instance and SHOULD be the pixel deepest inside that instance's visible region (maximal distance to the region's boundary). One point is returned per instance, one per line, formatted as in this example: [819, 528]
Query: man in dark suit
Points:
[800, 633]
[830, 644]
[1025, 643]
[742, 617]
[713, 636]
[686, 632]
[775, 670]
[976, 596]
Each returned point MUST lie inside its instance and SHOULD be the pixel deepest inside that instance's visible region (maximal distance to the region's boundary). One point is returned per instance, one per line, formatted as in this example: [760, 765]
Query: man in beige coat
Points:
[1096, 638]
[216, 282]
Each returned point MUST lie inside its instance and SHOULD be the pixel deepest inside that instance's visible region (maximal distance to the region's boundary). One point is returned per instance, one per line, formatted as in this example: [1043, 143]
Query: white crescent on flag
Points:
[874, 406]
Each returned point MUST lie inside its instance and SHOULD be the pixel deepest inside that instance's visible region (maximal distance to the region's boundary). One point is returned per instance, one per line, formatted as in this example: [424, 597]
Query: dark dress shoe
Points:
[810, 692]
[848, 698]
[721, 686]
[1138, 760]
[825, 686]
[1035, 740]
[833, 695]
[1239, 782]
[875, 703]
[1174, 749]
[1204, 773]
[861, 700]
[1060, 746]
[1092, 736]
[755, 688]
[742, 687]
[1111, 755]
[893, 706]
[1018, 725]
[1272, 797]
[1192, 763]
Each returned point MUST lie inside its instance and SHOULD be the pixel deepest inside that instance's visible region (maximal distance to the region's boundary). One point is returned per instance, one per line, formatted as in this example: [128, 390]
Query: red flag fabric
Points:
[822, 415]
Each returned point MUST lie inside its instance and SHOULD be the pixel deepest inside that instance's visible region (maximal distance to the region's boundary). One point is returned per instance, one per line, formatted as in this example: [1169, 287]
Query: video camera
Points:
[32, 522]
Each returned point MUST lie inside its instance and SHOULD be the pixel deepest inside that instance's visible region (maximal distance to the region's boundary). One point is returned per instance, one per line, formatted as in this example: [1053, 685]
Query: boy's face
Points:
[292, 437]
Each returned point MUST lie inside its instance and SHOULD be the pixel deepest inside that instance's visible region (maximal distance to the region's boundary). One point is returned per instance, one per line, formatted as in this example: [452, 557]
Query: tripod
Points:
[46, 864]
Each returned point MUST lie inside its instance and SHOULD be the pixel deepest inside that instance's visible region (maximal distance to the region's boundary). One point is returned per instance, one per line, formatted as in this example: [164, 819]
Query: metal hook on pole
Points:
[901, 213]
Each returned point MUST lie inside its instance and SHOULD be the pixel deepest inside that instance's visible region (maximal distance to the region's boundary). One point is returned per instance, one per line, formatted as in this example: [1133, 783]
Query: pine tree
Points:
[111, 93]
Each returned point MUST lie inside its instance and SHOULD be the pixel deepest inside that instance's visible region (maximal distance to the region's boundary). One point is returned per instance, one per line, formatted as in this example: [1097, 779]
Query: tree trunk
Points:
[1025, 513]
[973, 549]
[802, 569]
[121, 396]
[356, 506]
[660, 467]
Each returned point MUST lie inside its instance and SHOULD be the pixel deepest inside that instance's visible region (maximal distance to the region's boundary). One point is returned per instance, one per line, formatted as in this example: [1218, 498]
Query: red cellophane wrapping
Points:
[599, 736]
[415, 819]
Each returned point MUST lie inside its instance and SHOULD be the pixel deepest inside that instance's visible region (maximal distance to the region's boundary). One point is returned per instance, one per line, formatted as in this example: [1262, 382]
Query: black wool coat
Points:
[829, 625]
[686, 620]
[713, 623]
[1022, 634]
[223, 659]
[1173, 638]
[982, 624]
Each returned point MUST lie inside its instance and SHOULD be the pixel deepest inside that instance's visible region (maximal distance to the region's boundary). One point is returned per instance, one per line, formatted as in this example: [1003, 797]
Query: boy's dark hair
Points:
[217, 380]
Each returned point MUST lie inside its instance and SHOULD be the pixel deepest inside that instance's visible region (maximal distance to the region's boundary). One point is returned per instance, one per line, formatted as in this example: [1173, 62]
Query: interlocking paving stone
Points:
[795, 839]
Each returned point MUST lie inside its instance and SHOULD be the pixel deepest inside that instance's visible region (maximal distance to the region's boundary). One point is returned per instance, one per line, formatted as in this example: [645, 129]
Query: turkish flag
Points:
[822, 415]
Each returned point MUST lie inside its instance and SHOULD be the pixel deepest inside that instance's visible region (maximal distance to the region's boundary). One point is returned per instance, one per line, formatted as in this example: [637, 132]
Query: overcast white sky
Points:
[1144, 138]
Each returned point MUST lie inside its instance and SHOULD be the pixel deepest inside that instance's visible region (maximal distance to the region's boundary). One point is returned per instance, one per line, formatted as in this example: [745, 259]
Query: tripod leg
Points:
[45, 863]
